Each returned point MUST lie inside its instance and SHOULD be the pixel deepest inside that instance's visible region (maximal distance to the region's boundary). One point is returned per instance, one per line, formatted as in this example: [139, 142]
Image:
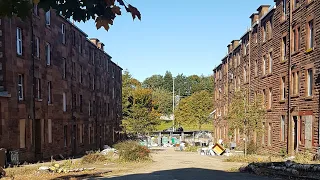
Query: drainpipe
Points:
[290, 124]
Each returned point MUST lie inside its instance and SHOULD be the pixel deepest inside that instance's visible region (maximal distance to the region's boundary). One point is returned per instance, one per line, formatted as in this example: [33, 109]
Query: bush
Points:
[252, 148]
[132, 151]
[304, 157]
[94, 158]
[191, 149]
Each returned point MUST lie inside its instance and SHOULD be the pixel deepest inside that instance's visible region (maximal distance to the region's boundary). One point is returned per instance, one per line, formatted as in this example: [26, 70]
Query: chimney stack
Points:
[100, 46]
[254, 18]
[229, 48]
[95, 41]
[263, 9]
[235, 43]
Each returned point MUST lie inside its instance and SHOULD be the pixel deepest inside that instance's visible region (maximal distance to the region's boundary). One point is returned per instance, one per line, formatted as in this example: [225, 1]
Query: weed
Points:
[132, 151]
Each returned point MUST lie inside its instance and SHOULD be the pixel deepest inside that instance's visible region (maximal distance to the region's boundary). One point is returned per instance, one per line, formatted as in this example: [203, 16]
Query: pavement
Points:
[174, 165]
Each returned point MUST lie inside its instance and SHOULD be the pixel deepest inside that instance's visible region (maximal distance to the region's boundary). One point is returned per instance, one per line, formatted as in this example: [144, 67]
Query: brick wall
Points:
[72, 58]
[301, 106]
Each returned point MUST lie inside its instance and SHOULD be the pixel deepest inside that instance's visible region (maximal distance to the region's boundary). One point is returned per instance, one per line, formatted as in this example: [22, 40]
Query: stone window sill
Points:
[282, 101]
[308, 98]
[39, 100]
[309, 50]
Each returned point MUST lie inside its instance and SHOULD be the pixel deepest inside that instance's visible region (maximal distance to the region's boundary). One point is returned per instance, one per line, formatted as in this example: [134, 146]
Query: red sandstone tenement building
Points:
[75, 103]
[279, 58]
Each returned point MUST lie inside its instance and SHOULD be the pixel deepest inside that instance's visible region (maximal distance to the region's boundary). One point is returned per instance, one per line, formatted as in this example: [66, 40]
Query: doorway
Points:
[38, 138]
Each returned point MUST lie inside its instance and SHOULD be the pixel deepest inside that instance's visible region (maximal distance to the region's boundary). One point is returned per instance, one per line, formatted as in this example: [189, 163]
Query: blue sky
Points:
[181, 36]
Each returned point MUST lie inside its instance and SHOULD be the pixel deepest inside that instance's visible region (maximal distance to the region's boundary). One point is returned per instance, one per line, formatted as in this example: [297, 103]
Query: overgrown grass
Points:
[96, 157]
[132, 151]
[253, 158]
[191, 149]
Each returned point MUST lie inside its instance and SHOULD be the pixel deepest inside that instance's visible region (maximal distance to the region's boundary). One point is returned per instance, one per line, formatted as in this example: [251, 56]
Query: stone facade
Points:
[280, 62]
[60, 94]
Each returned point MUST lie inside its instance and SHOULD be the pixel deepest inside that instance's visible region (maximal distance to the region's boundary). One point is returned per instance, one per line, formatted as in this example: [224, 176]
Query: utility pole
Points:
[173, 103]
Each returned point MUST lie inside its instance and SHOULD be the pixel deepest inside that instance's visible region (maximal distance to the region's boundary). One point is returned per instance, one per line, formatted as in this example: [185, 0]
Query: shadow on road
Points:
[188, 174]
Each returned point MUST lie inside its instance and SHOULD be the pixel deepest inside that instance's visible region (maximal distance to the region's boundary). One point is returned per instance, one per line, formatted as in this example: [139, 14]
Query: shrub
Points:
[132, 151]
[304, 157]
[191, 149]
[252, 148]
[94, 158]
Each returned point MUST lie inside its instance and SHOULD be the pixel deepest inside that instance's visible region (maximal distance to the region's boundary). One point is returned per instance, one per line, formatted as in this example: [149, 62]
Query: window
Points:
[113, 69]
[264, 59]
[264, 98]
[80, 99]
[239, 59]
[19, 41]
[269, 134]
[256, 68]
[89, 134]
[92, 55]
[74, 101]
[295, 81]
[270, 98]
[49, 131]
[284, 48]
[35, 9]
[20, 87]
[310, 34]
[49, 93]
[81, 72]
[283, 129]
[65, 137]
[264, 33]
[90, 108]
[73, 69]
[299, 38]
[308, 131]
[93, 85]
[113, 93]
[296, 3]
[270, 29]
[48, 54]
[48, 18]
[64, 100]
[245, 74]
[309, 82]
[296, 39]
[73, 38]
[37, 47]
[22, 128]
[63, 33]
[284, 8]
[270, 62]
[81, 133]
[283, 88]
[263, 135]
[64, 68]
[38, 88]
[80, 44]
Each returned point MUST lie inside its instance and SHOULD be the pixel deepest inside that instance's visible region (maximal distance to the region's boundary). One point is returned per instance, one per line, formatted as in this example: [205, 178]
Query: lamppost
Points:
[173, 129]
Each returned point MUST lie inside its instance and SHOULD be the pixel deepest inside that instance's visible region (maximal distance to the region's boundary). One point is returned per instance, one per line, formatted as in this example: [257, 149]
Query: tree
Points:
[182, 86]
[168, 81]
[245, 116]
[103, 12]
[199, 83]
[162, 101]
[141, 117]
[195, 110]
[129, 84]
[153, 82]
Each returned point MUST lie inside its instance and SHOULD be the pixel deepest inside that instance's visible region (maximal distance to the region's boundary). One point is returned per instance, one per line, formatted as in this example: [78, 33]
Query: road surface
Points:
[171, 165]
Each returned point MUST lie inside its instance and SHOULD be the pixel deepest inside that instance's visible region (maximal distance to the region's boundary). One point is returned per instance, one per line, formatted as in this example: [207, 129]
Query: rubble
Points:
[57, 168]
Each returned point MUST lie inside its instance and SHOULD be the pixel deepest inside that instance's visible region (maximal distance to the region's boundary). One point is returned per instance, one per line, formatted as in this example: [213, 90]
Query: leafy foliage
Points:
[132, 151]
[195, 110]
[103, 12]
[154, 82]
[162, 101]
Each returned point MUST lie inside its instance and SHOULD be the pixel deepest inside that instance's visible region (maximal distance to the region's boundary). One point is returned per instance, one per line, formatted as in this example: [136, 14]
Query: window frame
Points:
[310, 35]
[63, 33]
[48, 53]
[19, 41]
[309, 82]
[38, 87]
[48, 18]
[37, 45]
[49, 92]
[20, 87]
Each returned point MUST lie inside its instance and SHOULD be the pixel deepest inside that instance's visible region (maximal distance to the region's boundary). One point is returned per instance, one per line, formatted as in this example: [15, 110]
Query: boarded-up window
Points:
[80, 133]
[49, 131]
[269, 134]
[31, 131]
[65, 135]
[308, 131]
[22, 127]
[42, 131]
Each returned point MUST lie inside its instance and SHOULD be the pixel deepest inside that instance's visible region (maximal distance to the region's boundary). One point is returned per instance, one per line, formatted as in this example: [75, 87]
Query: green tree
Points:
[199, 83]
[168, 81]
[162, 101]
[153, 82]
[142, 116]
[103, 12]
[129, 84]
[245, 116]
[182, 86]
[195, 110]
